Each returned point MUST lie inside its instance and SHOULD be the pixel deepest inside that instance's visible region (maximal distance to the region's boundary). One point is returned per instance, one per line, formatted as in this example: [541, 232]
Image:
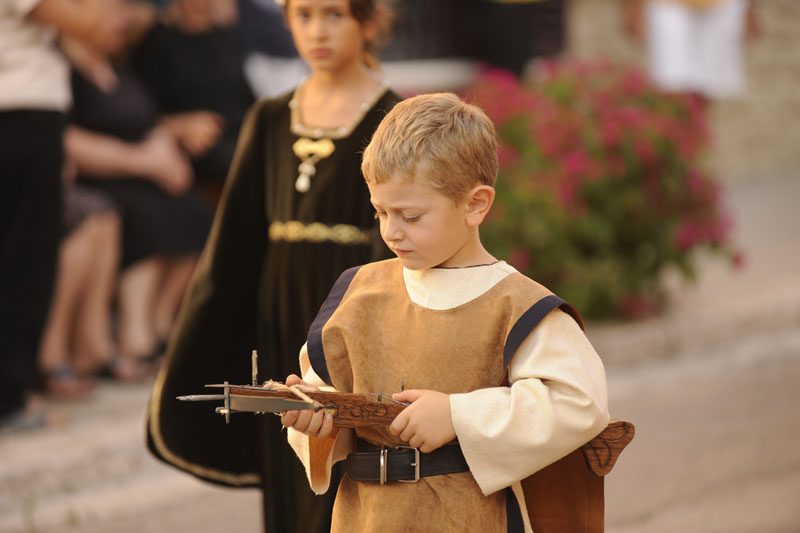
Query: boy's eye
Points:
[411, 219]
[379, 214]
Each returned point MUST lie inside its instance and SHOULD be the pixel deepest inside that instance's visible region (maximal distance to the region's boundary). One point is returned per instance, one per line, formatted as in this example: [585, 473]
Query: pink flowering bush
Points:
[600, 188]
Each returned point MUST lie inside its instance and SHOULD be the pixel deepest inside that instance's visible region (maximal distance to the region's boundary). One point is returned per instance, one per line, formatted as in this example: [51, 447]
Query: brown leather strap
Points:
[565, 497]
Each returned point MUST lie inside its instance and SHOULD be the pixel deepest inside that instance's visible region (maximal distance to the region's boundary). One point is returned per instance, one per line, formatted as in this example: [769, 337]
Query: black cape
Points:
[251, 292]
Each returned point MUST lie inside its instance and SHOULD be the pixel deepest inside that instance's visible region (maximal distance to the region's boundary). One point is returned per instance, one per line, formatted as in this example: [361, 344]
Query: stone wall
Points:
[756, 136]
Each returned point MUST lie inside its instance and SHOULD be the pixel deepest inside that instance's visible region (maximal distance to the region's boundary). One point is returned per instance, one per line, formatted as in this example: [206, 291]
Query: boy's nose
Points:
[391, 231]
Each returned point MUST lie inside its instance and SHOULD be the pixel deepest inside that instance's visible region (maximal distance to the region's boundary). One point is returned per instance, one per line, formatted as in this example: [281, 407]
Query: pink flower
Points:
[634, 83]
[593, 121]
[520, 259]
[507, 155]
[610, 132]
[643, 148]
[639, 305]
[686, 236]
[631, 117]
[577, 162]
[719, 229]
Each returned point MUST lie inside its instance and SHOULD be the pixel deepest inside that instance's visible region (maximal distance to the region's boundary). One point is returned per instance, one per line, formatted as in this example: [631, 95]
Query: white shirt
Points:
[33, 72]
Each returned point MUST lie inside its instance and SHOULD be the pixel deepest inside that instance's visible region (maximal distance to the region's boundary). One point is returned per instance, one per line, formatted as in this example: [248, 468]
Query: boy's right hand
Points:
[319, 424]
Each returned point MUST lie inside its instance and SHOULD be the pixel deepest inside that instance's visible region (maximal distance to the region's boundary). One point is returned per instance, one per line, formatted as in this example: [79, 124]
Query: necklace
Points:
[317, 143]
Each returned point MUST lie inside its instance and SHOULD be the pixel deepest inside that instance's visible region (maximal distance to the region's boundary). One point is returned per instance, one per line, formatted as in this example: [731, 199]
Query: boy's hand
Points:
[319, 424]
[426, 423]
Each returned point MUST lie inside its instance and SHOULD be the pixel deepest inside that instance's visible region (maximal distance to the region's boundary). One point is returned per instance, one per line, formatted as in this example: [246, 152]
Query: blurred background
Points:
[663, 205]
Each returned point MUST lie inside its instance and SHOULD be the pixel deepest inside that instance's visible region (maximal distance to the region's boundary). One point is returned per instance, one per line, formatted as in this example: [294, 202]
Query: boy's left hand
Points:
[426, 423]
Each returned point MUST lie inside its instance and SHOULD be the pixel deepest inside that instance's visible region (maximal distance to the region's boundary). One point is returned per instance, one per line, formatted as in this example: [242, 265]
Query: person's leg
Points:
[55, 352]
[170, 296]
[94, 342]
[138, 288]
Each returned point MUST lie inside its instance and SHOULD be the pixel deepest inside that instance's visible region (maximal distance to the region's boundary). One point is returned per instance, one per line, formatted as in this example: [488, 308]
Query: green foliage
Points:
[600, 188]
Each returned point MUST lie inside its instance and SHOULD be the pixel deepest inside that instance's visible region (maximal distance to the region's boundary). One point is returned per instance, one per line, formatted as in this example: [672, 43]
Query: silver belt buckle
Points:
[415, 464]
[384, 456]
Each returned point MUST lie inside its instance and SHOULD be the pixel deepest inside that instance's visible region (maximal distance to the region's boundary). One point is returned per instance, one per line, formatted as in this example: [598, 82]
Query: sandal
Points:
[34, 415]
[157, 355]
[64, 383]
[126, 369]
[23, 420]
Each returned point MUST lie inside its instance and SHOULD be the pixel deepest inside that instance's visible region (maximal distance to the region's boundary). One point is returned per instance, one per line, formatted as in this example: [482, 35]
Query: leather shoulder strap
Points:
[566, 496]
[528, 321]
[316, 352]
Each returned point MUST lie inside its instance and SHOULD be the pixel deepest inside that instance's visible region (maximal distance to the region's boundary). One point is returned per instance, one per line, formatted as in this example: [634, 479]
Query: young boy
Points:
[495, 394]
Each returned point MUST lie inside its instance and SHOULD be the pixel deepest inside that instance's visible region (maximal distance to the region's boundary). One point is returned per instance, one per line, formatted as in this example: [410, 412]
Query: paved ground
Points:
[715, 449]
[711, 387]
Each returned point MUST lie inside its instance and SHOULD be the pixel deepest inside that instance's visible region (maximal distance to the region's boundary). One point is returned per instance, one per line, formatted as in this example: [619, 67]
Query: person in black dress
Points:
[191, 61]
[34, 97]
[117, 146]
[294, 214]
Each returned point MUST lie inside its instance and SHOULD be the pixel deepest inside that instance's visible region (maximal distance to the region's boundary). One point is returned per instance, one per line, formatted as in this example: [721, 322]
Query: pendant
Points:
[303, 183]
[307, 169]
[310, 152]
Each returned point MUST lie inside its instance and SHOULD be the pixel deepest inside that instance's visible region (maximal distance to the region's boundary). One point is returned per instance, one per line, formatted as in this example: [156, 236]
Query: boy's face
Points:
[423, 227]
[325, 33]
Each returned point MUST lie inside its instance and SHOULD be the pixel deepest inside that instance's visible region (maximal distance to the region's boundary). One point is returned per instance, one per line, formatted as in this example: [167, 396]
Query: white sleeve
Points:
[319, 478]
[557, 402]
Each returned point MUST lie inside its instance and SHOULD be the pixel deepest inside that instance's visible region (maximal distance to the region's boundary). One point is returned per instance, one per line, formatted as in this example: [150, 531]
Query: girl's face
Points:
[326, 34]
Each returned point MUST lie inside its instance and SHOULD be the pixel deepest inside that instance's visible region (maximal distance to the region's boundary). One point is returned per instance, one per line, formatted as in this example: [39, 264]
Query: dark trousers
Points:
[31, 156]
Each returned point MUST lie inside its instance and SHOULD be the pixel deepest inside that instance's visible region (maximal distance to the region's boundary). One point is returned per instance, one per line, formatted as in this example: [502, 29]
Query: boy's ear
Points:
[479, 202]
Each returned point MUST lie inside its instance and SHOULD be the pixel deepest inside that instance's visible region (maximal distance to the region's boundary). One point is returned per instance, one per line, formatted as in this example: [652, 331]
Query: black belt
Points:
[382, 464]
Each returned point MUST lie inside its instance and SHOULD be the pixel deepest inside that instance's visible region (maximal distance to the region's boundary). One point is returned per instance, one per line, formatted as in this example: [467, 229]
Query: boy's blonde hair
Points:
[437, 138]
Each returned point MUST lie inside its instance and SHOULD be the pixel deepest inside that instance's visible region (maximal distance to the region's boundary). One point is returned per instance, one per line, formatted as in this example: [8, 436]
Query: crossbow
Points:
[351, 410]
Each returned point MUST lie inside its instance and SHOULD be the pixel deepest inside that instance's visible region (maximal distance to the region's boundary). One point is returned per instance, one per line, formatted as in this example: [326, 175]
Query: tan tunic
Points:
[445, 330]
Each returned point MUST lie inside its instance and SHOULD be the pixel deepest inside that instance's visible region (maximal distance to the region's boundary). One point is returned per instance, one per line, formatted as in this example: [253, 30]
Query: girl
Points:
[294, 213]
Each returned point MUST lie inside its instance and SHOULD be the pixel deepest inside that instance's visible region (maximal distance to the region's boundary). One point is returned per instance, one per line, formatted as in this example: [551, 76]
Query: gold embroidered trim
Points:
[305, 148]
[300, 129]
[295, 231]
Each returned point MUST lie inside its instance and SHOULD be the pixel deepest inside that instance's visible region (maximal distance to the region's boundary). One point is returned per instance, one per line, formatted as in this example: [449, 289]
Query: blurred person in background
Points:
[511, 34]
[118, 147]
[78, 340]
[694, 46]
[444, 45]
[78, 337]
[34, 96]
[294, 214]
[192, 63]
[271, 62]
